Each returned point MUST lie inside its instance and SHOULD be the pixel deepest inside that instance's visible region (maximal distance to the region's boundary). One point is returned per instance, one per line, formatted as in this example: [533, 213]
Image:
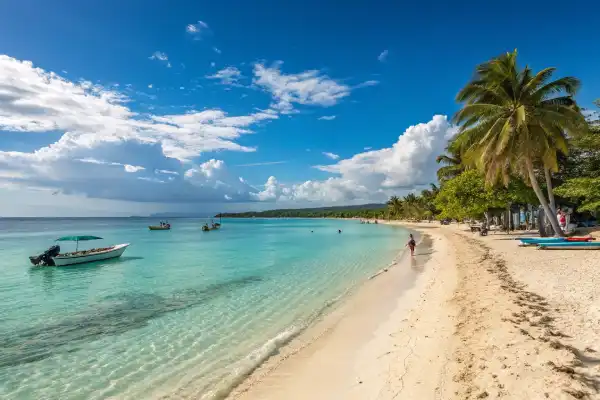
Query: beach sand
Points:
[482, 319]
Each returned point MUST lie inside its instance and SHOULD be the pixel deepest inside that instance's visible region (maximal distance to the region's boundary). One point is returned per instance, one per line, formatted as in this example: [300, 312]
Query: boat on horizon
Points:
[164, 226]
[53, 257]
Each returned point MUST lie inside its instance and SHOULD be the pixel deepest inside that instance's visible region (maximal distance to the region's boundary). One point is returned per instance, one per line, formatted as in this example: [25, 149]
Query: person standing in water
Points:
[411, 243]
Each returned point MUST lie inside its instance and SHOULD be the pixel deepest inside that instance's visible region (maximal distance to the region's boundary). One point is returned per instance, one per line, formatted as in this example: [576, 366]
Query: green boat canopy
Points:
[77, 238]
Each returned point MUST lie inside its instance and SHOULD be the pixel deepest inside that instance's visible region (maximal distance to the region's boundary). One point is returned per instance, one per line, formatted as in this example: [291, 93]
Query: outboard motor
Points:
[45, 259]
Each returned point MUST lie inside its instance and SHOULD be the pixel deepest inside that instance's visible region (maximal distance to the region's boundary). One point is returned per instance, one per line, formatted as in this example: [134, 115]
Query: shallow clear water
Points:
[183, 314]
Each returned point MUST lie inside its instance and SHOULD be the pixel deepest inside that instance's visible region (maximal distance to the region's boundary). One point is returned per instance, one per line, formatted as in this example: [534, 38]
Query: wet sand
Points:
[358, 351]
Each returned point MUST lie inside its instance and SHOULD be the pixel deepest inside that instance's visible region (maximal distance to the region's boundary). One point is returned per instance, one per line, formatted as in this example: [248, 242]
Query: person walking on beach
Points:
[411, 244]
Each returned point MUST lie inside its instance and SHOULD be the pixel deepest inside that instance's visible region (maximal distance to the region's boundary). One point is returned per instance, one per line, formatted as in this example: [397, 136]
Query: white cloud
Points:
[198, 30]
[159, 55]
[383, 56]
[367, 148]
[127, 167]
[261, 164]
[166, 172]
[150, 179]
[327, 118]
[307, 88]
[373, 175]
[331, 155]
[132, 168]
[366, 84]
[150, 86]
[149, 149]
[97, 124]
[217, 50]
[227, 76]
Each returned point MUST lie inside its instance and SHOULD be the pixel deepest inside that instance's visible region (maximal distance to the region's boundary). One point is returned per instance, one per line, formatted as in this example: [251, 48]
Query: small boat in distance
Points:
[164, 226]
[53, 257]
[213, 227]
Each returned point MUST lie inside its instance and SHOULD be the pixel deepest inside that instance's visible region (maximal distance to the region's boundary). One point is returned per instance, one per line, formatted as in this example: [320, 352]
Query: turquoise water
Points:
[183, 314]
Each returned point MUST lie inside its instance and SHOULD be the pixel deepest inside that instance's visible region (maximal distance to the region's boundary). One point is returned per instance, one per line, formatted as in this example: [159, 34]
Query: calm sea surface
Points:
[183, 314]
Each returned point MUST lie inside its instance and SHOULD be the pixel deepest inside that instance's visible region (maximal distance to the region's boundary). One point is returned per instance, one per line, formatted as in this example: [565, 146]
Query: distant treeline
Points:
[362, 211]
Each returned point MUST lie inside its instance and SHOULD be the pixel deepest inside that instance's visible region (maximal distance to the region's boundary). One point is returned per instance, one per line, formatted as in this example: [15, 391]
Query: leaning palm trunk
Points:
[548, 176]
[550, 215]
[550, 189]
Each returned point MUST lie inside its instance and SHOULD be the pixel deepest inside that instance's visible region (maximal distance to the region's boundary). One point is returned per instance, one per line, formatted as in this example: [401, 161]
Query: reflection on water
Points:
[116, 315]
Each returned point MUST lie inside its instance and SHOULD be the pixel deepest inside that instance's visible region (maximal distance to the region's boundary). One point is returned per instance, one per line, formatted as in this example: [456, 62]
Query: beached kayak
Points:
[536, 241]
[570, 246]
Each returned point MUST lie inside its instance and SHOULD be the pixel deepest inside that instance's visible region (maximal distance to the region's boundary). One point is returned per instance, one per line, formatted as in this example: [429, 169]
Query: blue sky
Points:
[146, 86]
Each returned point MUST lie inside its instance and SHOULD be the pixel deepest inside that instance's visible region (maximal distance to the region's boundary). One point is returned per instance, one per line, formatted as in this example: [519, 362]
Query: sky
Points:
[134, 107]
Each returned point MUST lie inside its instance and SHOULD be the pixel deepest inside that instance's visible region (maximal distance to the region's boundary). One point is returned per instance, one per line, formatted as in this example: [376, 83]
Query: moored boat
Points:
[164, 226]
[53, 257]
[160, 227]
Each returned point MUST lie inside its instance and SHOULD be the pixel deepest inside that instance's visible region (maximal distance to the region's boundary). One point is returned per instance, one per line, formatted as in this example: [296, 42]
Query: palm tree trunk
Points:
[550, 192]
[551, 215]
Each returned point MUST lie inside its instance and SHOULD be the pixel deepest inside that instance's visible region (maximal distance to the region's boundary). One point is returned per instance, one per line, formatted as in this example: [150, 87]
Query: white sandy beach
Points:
[485, 319]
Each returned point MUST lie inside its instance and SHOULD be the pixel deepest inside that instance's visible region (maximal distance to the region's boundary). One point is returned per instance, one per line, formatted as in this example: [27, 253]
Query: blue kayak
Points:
[543, 240]
[570, 245]
[536, 241]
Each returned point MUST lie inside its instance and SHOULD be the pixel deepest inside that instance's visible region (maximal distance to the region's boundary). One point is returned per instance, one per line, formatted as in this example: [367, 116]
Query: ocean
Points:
[182, 314]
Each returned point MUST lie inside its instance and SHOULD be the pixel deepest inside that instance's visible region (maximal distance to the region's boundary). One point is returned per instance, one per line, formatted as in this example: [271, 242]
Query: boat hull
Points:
[116, 251]
[159, 228]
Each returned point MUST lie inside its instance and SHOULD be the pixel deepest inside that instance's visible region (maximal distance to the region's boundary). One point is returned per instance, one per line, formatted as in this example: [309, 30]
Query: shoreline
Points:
[333, 358]
[483, 319]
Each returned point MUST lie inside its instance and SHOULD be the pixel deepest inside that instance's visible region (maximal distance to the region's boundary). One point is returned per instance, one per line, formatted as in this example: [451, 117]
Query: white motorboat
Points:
[53, 257]
[79, 257]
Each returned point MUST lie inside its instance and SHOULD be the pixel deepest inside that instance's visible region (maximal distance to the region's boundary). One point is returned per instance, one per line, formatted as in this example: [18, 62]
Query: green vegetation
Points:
[363, 211]
[521, 134]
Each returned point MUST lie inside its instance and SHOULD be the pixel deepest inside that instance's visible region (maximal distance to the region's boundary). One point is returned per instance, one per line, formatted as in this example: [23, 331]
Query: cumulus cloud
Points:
[383, 56]
[227, 76]
[327, 118]
[198, 30]
[331, 155]
[307, 88]
[373, 175]
[108, 151]
[97, 124]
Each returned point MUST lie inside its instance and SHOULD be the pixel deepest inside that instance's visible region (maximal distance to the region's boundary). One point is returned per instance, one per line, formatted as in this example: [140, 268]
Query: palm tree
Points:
[412, 206]
[452, 165]
[514, 118]
[395, 206]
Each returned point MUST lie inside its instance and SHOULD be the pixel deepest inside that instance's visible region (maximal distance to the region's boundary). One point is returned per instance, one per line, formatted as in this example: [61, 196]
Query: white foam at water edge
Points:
[245, 367]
